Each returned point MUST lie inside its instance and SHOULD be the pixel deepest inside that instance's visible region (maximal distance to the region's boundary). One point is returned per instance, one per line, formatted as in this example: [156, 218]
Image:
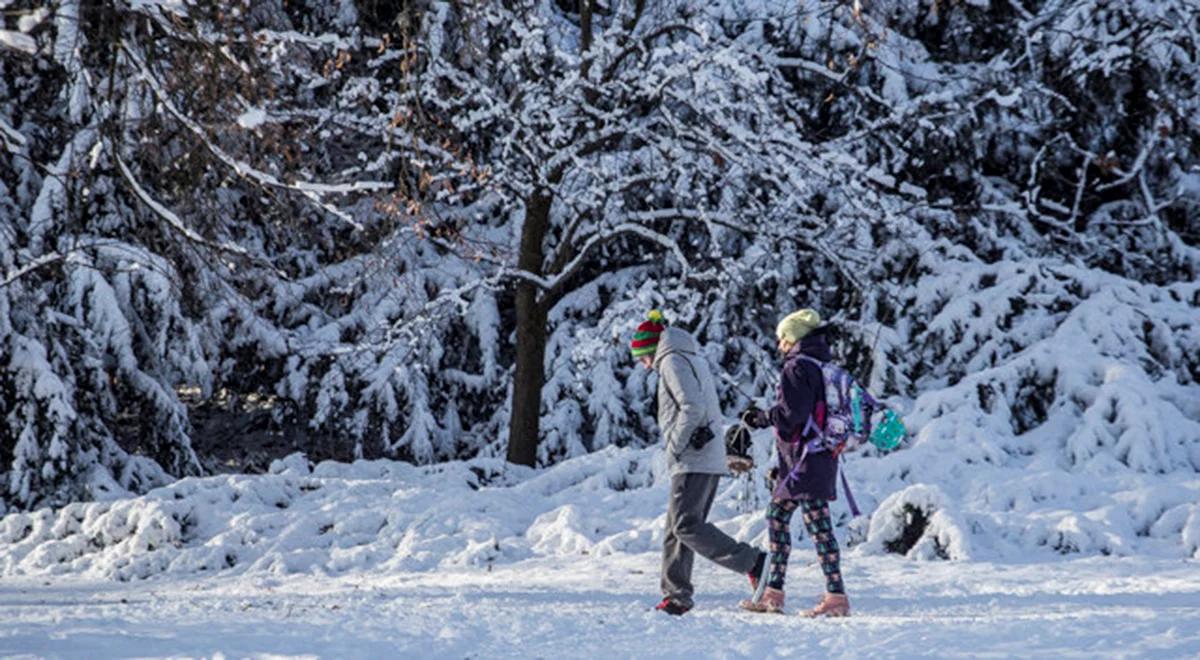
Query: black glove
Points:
[701, 437]
[754, 418]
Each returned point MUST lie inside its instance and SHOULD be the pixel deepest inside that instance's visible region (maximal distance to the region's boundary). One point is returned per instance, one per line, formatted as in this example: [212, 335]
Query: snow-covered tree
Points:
[91, 324]
[424, 230]
[587, 149]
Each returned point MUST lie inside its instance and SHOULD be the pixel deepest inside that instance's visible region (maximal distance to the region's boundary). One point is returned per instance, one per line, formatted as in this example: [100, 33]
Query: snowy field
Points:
[585, 607]
[384, 559]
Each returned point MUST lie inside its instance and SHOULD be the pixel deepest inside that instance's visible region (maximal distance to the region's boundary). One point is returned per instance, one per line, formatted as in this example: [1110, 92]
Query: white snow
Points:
[31, 20]
[18, 41]
[483, 559]
[252, 118]
[586, 607]
[174, 6]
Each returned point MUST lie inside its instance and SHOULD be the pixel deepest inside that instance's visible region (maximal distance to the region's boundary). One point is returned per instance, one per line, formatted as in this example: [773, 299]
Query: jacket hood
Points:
[674, 340]
[814, 345]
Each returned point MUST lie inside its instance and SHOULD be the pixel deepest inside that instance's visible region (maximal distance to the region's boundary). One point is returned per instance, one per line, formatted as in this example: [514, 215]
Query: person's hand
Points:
[754, 417]
[772, 477]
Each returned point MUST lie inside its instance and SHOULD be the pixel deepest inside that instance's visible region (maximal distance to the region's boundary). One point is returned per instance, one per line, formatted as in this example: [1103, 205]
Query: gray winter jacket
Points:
[687, 398]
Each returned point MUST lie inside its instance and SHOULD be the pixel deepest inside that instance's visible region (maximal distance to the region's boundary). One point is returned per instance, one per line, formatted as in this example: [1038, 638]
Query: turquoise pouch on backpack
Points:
[889, 433]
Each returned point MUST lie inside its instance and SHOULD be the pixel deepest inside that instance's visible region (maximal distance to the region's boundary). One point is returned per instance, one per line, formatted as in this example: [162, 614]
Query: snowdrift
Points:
[335, 518]
[384, 516]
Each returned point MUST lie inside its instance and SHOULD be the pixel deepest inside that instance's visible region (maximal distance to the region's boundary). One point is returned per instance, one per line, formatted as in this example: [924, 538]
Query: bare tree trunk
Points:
[530, 371]
[586, 10]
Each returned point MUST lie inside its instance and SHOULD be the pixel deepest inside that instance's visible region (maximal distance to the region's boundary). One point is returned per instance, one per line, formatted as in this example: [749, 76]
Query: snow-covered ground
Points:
[478, 559]
[588, 606]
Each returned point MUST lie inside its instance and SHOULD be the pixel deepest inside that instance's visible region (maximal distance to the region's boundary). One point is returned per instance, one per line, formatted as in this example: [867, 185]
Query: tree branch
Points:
[313, 191]
[555, 288]
[641, 46]
[173, 220]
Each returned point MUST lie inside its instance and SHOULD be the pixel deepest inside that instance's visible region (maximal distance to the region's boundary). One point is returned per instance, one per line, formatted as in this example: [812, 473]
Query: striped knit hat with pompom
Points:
[645, 340]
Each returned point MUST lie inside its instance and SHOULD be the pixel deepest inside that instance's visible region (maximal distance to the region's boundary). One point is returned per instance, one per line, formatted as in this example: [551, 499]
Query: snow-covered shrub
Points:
[1052, 403]
[1092, 362]
[94, 340]
[338, 518]
[918, 522]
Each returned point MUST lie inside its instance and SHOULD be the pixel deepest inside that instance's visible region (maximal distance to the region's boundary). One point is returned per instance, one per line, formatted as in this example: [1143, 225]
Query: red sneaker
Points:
[671, 607]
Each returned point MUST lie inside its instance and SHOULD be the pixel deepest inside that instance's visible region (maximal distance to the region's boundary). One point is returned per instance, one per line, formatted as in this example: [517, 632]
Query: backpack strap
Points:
[812, 359]
[854, 512]
[814, 426]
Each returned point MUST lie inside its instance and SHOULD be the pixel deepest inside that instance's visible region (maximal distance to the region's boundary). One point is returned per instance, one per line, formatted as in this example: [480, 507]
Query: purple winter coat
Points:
[801, 386]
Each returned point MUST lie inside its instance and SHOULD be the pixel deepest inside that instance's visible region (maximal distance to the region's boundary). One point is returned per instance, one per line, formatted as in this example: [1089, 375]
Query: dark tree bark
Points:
[530, 371]
[586, 11]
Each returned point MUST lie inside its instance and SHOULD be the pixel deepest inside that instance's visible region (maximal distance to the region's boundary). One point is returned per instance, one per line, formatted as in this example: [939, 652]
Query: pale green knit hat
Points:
[794, 326]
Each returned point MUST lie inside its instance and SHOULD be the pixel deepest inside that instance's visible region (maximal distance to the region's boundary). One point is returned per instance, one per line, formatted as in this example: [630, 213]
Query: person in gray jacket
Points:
[689, 416]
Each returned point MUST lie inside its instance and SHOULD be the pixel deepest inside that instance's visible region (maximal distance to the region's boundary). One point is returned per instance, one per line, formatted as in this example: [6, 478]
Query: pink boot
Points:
[771, 602]
[831, 605]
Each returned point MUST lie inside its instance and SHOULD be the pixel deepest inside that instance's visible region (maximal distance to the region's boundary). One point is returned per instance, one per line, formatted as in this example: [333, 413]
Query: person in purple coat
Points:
[803, 480]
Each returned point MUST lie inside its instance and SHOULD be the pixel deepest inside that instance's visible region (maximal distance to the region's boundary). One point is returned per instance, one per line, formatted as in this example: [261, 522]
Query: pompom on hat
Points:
[645, 339]
[796, 325]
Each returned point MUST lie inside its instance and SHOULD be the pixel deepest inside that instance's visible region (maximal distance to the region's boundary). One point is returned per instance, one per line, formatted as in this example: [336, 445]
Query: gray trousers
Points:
[689, 533]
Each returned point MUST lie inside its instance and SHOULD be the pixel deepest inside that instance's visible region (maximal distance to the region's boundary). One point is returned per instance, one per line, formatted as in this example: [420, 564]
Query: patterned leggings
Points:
[820, 528]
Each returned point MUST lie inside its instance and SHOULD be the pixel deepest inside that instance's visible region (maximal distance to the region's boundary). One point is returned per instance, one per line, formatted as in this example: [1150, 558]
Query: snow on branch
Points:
[40, 262]
[12, 138]
[1140, 161]
[823, 71]
[554, 287]
[22, 43]
[315, 192]
[172, 219]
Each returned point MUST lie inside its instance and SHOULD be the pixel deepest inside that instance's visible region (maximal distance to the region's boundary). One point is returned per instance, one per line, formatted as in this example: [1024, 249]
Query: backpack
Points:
[843, 421]
[847, 412]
